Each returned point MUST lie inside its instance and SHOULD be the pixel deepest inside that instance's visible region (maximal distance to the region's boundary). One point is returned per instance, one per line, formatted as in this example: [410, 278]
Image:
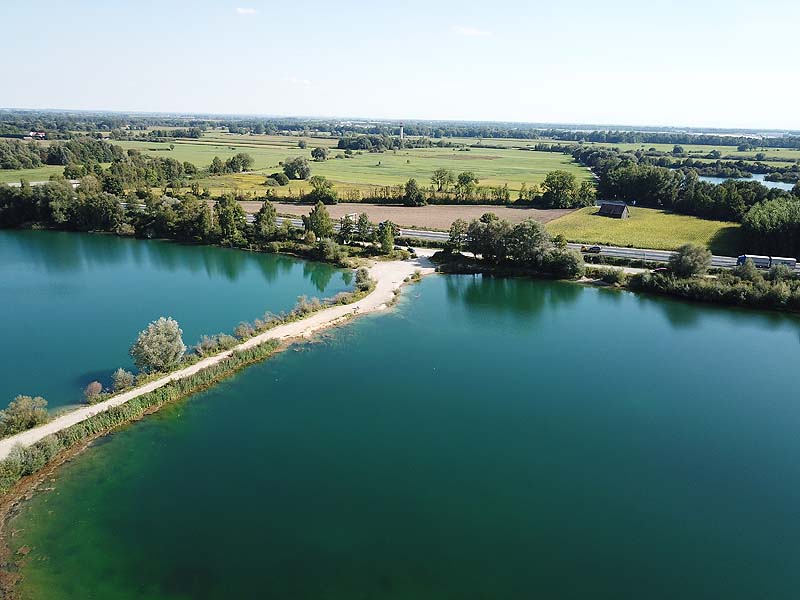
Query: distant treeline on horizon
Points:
[59, 125]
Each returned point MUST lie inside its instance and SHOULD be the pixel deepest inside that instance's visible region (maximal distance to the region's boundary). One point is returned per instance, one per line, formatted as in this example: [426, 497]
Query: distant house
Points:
[615, 210]
[39, 135]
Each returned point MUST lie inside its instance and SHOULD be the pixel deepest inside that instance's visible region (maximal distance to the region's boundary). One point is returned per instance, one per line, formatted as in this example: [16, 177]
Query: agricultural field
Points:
[648, 228]
[362, 171]
[432, 217]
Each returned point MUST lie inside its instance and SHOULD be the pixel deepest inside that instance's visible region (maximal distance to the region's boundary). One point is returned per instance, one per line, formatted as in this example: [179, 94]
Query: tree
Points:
[159, 347]
[413, 195]
[442, 179]
[560, 190]
[22, 413]
[319, 154]
[121, 380]
[265, 223]
[296, 168]
[232, 221]
[319, 221]
[92, 391]
[690, 259]
[677, 150]
[466, 183]
[386, 236]
[322, 191]
[301, 144]
[458, 235]
[528, 242]
[365, 230]
[347, 229]
[217, 166]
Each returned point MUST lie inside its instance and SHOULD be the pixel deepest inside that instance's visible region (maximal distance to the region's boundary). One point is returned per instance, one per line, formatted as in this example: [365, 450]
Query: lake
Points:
[488, 438]
[780, 185]
[72, 304]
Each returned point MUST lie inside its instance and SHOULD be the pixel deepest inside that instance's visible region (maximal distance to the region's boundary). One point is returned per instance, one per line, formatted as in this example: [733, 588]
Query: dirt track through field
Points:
[423, 217]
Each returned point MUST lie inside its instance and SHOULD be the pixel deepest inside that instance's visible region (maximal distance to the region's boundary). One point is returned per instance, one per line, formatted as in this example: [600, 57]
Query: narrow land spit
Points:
[389, 276]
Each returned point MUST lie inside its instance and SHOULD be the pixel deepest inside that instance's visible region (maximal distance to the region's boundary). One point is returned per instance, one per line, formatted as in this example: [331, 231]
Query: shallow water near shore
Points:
[488, 438]
[72, 304]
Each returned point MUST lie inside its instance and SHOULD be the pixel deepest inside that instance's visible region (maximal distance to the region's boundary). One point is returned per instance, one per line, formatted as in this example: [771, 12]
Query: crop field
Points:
[648, 228]
[431, 217]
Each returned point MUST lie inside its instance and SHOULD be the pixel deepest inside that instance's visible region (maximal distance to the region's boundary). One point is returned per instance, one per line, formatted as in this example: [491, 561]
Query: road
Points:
[632, 254]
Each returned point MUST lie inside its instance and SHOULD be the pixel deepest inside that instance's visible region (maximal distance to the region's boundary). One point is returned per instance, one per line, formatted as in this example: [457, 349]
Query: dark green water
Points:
[71, 305]
[487, 439]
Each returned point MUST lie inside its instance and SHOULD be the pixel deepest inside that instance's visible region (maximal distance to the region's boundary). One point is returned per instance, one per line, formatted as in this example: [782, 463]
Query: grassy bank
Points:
[648, 228]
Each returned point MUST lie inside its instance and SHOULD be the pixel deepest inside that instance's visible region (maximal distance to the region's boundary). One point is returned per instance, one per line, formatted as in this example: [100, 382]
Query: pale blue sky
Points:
[730, 63]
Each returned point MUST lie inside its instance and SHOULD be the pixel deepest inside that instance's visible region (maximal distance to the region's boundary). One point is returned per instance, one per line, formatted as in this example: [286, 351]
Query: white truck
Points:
[766, 262]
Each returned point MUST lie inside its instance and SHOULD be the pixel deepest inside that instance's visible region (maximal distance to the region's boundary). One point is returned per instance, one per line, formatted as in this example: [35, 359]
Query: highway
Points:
[633, 254]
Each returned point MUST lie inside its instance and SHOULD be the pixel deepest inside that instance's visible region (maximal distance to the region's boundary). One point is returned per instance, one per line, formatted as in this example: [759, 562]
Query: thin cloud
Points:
[470, 31]
[246, 11]
[299, 81]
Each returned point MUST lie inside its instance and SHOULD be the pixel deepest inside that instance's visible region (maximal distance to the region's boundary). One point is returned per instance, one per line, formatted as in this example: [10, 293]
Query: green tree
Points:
[466, 183]
[386, 236]
[302, 144]
[413, 195]
[322, 191]
[297, 168]
[365, 230]
[319, 154]
[690, 259]
[442, 179]
[560, 190]
[318, 221]
[232, 221]
[265, 223]
[528, 243]
[347, 230]
[159, 347]
[458, 235]
[217, 166]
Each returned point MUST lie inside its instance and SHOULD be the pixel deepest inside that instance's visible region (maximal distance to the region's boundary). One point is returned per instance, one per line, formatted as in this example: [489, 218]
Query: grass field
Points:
[362, 171]
[648, 228]
[38, 174]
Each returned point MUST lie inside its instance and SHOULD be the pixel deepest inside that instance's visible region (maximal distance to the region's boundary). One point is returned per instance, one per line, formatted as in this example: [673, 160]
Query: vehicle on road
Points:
[767, 262]
[591, 249]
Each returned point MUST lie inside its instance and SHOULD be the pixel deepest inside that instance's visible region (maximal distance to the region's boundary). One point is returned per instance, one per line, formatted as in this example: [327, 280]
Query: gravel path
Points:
[388, 275]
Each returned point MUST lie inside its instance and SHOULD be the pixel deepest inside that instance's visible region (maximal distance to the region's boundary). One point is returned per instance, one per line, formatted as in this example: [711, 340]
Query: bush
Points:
[614, 276]
[363, 280]
[92, 392]
[280, 177]
[23, 412]
[566, 264]
[121, 380]
[690, 259]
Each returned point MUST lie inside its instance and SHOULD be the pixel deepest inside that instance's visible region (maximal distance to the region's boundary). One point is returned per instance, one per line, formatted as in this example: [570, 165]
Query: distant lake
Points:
[72, 304]
[781, 185]
[489, 438]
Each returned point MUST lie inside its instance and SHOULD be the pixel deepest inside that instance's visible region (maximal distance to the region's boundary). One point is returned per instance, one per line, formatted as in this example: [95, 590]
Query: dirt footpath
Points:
[422, 217]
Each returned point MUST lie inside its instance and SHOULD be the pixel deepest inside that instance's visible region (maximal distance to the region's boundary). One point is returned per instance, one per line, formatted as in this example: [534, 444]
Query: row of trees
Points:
[526, 244]
[235, 164]
[15, 154]
[621, 176]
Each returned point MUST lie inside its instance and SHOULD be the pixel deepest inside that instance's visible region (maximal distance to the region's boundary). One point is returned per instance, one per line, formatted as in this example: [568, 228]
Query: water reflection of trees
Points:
[523, 298]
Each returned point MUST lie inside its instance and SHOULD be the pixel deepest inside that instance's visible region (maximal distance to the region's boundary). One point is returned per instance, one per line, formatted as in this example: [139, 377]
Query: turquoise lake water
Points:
[72, 304]
[488, 438]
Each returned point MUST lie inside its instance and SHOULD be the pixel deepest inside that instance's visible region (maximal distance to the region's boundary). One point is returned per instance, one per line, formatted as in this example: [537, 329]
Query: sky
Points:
[699, 63]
